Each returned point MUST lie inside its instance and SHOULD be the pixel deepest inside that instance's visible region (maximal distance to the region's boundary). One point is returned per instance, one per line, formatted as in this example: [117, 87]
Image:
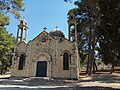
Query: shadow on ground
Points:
[60, 88]
[38, 84]
[104, 78]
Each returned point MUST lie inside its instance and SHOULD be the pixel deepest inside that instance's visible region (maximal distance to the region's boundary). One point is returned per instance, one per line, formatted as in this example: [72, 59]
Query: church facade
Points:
[47, 55]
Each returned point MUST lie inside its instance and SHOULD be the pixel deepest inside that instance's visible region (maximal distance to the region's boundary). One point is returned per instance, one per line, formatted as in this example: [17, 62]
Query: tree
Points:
[10, 6]
[109, 32]
[68, 1]
[102, 19]
[7, 43]
[87, 15]
[4, 20]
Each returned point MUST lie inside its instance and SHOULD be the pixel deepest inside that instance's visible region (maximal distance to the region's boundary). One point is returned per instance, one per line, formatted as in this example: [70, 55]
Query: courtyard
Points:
[96, 82]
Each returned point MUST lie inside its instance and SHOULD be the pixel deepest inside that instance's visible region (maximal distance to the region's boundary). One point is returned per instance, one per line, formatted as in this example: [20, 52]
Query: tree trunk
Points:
[94, 67]
[89, 56]
[90, 63]
[2, 67]
[112, 67]
[89, 68]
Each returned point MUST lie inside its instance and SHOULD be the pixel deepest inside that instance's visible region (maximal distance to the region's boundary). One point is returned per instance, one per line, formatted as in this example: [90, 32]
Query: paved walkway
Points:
[97, 82]
[4, 76]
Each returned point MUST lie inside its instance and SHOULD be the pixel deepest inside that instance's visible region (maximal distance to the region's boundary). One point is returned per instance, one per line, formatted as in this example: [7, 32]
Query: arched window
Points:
[21, 62]
[72, 33]
[43, 39]
[65, 61]
[71, 17]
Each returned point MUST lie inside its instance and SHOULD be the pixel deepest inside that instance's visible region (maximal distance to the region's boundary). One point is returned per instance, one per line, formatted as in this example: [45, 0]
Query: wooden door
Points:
[41, 70]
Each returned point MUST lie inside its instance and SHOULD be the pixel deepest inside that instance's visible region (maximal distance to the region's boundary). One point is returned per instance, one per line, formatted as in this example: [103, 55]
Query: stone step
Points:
[36, 79]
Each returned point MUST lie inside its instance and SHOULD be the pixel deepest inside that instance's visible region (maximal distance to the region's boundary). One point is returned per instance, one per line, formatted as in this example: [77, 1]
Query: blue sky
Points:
[43, 13]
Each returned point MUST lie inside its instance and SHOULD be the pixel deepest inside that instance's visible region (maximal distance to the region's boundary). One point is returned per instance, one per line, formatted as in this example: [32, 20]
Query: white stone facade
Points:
[48, 50]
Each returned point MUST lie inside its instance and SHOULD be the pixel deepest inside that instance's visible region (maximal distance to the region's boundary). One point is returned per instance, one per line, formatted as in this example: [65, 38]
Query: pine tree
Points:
[102, 16]
[87, 14]
[109, 32]
[10, 6]
[7, 42]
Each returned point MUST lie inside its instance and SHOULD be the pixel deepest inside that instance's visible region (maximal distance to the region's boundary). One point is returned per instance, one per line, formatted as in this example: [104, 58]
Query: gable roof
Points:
[41, 34]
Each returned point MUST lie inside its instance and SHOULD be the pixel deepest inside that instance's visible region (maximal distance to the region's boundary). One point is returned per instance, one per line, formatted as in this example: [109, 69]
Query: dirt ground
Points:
[101, 81]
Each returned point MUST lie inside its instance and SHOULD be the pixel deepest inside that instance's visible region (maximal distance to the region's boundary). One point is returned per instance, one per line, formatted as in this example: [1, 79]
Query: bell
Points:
[8, 8]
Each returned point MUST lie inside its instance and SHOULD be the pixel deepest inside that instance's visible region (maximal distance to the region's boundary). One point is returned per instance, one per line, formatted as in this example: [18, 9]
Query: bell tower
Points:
[22, 31]
[72, 28]
[72, 36]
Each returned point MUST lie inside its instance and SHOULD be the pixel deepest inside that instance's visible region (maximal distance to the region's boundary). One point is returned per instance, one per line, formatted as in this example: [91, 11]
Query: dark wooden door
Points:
[41, 69]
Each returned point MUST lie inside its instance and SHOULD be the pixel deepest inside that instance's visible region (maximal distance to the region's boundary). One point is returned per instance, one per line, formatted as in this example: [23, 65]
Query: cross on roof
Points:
[44, 28]
[56, 27]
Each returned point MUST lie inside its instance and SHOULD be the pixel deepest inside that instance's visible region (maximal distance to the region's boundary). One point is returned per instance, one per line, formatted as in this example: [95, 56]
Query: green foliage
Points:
[4, 20]
[72, 11]
[68, 1]
[109, 31]
[83, 61]
[102, 16]
[7, 43]
[87, 15]
[10, 6]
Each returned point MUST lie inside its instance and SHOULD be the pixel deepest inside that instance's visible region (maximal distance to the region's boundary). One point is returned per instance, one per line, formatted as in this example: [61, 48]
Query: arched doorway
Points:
[41, 70]
[42, 64]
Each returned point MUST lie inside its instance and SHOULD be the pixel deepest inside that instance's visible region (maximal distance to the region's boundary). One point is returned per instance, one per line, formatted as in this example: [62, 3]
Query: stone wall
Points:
[51, 51]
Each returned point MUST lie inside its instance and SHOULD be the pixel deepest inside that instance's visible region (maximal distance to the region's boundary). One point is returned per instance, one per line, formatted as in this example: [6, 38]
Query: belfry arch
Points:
[72, 27]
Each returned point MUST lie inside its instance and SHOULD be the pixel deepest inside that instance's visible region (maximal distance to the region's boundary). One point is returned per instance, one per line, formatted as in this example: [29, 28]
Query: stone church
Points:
[47, 55]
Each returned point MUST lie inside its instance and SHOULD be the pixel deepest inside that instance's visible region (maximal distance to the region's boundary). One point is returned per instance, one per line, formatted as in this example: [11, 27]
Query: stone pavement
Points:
[101, 82]
[4, 76]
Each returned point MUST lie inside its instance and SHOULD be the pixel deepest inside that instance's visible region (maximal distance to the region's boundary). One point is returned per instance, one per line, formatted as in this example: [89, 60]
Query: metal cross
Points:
[44, 28]
[56, 27]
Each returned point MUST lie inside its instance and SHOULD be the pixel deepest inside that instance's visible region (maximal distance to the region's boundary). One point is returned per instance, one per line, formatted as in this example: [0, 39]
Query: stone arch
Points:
[42, 56]
[72, 27]
[65, 61]
[48, 56]
[64, 52]
[21, 53]
[21, 61]
[68, 61]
